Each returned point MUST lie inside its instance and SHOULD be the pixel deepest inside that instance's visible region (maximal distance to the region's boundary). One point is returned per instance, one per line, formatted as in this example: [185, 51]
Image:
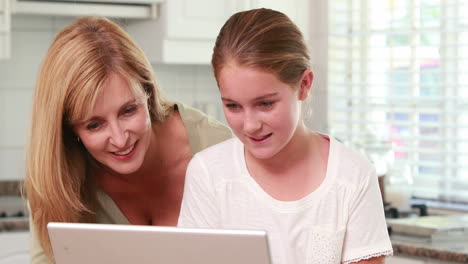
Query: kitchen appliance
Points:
[12, 206]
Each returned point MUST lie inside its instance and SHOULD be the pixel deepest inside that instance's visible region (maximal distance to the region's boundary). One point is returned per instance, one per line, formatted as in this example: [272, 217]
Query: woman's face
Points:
[118, 133]
[262, 111]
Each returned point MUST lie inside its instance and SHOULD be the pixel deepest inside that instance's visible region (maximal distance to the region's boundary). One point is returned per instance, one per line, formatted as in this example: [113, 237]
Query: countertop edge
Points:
[415, 251]
[14, 224]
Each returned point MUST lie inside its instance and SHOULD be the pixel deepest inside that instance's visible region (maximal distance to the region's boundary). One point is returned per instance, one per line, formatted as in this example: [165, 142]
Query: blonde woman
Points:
[104, 146]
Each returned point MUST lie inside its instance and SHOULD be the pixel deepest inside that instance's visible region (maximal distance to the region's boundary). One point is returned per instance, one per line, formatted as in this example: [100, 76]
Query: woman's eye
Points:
[130, 109]
[93, 126]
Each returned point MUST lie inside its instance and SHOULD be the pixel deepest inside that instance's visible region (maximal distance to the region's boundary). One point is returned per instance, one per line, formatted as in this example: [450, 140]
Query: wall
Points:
[318, 49]
[30, 38]
[191, 84]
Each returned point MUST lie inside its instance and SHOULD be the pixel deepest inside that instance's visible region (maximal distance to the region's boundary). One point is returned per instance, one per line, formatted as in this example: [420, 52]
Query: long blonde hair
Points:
[78, 62]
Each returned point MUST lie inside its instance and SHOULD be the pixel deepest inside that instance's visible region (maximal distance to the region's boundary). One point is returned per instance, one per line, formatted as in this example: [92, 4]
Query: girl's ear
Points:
[305, 84]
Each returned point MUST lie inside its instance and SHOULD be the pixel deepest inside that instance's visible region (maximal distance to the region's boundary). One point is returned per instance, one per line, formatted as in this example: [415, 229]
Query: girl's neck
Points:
[294, 172]
[296, 150]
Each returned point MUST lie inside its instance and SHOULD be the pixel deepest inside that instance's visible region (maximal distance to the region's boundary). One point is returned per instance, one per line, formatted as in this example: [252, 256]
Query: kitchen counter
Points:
[450, 251]
[436, 237]
[13, 212]
[453, 251]
[13, 224]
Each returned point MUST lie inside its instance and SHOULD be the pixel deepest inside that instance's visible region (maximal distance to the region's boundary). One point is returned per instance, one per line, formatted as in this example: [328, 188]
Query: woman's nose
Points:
[118, 135]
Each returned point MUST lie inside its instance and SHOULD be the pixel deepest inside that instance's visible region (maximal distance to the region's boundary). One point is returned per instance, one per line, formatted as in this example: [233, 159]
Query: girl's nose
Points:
[252, 123]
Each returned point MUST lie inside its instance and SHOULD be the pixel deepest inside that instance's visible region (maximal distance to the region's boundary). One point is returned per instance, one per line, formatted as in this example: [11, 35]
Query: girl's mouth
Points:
[261, 139]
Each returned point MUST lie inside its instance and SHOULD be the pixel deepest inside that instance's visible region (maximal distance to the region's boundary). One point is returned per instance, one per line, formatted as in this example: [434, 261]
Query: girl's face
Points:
[118, 133]
[262, 111]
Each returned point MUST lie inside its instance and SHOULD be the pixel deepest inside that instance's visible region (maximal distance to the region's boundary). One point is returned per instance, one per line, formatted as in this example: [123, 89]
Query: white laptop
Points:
[105, 243]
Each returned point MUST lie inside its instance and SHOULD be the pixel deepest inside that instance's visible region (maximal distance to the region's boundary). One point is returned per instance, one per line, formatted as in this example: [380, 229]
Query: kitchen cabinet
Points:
[14, 247]
[185, 30]
[128, 9]
[131, 9]
[5, 28]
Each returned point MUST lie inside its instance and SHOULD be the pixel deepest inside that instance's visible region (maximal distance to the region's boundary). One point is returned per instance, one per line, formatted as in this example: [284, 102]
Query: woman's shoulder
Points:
[202, 130]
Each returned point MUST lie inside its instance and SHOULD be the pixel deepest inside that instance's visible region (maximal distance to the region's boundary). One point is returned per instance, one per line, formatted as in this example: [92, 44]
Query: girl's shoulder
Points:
[202, 130]
[225, 150]
[221, 163]
[349, 164]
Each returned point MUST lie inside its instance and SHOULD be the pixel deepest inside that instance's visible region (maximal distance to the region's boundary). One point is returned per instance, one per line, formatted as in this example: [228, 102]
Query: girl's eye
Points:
[232, 106]
[266, 104]
[129, 110]
[93, 126]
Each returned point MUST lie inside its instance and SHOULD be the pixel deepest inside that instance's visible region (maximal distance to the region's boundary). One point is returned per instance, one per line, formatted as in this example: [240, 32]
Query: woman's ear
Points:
[305, 84]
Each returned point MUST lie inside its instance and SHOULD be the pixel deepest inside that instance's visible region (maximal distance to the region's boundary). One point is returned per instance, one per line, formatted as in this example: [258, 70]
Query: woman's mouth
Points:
[124, 152]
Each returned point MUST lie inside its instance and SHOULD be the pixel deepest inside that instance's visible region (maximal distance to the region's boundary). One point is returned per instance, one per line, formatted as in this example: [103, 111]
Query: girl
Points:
[318, 200]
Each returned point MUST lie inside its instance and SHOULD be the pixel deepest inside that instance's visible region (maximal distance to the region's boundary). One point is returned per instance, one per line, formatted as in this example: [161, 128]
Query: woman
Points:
[104, 146]
[318, 200]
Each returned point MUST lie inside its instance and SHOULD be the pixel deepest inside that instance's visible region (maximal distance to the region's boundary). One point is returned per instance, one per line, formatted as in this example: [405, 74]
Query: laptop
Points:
[106, 243]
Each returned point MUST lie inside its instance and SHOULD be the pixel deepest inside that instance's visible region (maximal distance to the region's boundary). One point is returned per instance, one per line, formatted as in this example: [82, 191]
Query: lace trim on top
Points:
[385, 253]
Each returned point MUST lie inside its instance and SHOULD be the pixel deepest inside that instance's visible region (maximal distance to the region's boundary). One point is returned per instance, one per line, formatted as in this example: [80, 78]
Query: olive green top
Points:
[202, 131]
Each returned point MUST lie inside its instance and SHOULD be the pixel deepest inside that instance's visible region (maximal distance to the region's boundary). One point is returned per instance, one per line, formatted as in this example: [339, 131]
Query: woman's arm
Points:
[36, 253]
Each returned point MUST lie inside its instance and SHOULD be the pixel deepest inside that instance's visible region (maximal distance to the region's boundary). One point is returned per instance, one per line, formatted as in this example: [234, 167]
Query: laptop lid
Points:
[105, 243]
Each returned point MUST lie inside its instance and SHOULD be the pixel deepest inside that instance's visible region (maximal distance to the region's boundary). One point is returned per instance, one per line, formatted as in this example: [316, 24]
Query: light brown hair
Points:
[79, 61]
[264, 39]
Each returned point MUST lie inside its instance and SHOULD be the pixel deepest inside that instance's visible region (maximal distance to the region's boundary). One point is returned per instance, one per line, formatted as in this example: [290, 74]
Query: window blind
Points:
[398, 77]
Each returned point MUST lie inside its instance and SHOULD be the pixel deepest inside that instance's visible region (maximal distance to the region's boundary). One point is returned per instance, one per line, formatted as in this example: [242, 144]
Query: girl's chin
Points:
[261, 154]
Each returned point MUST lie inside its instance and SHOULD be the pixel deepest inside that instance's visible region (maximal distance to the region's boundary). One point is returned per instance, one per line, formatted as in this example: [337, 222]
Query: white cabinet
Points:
[14, 247]
[200, 19]
[5, 28]
[185, 30]
[131, 9]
